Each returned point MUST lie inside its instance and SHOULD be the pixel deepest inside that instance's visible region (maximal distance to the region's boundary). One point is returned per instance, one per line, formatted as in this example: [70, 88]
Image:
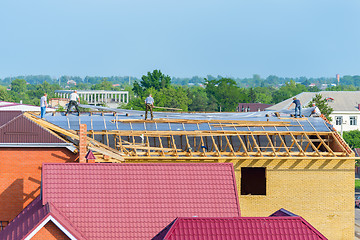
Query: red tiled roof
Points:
[240, 228]
[16, 128]
[136, 201]
[31, 217]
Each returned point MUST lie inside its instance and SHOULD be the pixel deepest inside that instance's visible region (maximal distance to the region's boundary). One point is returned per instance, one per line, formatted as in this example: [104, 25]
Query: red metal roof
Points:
[239, 228]
[136, 201]
[31, 217]
[16, 128]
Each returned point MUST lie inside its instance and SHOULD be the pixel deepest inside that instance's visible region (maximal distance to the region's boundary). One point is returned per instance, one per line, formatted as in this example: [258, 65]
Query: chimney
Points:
[82, 143]
[338, 78]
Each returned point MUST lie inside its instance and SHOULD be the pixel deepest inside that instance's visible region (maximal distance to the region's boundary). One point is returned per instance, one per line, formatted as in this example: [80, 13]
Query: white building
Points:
[11, 106]
[346, 114]
[95, 97]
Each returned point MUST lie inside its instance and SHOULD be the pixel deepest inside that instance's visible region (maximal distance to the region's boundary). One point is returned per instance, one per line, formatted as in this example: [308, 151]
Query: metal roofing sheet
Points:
[136, 201]
[6, 116]
[107, 121]
[22, 130]
[240, 228]
[29, 219]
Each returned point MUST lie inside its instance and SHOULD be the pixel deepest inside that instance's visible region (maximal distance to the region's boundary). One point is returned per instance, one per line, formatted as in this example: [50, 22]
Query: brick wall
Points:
[50, 232]
[82, 143]
[20, 176]
[321, 191]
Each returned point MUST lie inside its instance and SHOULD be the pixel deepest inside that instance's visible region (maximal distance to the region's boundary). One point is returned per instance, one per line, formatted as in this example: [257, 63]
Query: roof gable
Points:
[135, 201]
[6, 116]
[283, 213]
[33, 218]
[241, 228]
[20, 129]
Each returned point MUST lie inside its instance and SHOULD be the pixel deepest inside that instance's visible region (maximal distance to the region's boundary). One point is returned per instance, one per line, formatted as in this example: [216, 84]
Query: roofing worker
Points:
[297, 106]
[316, 112]
[43, 105]
[149, 104]
[74, 99]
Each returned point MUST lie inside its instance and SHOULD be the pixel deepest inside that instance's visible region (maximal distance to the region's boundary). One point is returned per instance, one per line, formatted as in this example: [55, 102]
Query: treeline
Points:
[254, 81]
[204, 94]
[222, 94]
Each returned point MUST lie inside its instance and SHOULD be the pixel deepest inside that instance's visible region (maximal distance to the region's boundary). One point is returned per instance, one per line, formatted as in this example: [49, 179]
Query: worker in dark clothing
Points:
[74, 99]
[297, 107]
[149, 104]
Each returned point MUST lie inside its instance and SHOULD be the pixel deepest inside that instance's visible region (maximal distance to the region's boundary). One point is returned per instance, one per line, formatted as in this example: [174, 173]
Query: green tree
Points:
[225, 93]
[322, 104]
[199, 99]
[104, 85]
[288, 90]
[18, 86]
[4, 96]
[172, 98]
[352, 138]
[156, 80]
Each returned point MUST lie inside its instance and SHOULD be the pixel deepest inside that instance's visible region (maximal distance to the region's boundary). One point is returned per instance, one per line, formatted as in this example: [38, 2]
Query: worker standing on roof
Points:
[43, 105]
[149, 104]
[297, 106]
[74, 99]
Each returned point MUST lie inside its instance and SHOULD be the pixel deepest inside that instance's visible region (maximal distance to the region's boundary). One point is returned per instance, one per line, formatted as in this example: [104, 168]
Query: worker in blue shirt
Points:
[297, 107]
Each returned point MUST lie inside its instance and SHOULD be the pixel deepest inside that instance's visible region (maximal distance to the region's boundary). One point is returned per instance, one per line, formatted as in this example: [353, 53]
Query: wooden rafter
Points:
[214, 144]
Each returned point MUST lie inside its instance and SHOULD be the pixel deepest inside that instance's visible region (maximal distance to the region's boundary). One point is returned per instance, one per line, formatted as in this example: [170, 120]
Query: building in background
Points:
[98, 97]
[11, 106]
[346, 114]
[252, 107]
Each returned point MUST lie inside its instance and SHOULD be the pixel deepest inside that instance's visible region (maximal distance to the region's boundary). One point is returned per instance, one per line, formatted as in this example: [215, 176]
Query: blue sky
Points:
[311, 38]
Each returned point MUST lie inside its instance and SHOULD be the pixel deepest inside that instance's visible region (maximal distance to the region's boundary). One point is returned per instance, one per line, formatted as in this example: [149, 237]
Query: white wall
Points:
[346, 120]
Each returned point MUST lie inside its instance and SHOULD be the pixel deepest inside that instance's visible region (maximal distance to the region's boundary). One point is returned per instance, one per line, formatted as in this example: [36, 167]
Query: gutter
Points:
[71, 147]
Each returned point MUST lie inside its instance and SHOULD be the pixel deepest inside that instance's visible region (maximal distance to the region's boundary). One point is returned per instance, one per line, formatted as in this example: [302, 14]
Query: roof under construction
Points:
[208, 136]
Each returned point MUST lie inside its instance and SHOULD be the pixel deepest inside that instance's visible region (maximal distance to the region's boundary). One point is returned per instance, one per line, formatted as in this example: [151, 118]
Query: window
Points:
[3, 224]
[253, 181]
[353, 120]
[338, 120]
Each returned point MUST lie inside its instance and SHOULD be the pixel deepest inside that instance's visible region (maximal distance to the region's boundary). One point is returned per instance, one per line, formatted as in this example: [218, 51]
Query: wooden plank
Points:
[301, 151]
[312, 145]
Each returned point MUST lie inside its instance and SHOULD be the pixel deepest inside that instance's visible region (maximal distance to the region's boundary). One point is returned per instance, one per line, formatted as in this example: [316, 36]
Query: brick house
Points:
[24, 147]
[123, 201]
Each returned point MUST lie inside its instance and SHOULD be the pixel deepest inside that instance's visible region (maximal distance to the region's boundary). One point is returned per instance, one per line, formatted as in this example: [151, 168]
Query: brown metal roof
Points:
[16, 128]
[6, 116]
[254, 107]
